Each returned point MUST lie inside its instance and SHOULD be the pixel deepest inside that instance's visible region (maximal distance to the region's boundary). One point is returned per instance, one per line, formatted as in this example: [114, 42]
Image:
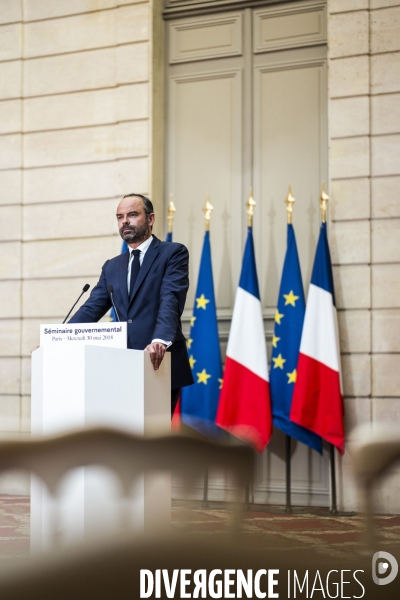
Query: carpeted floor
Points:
[326, 535]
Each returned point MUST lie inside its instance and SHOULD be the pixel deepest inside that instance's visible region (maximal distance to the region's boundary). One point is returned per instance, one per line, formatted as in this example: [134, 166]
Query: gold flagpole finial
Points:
[250, 208]
[289, 201]
[171, 210]
[207, 209]
[323, 202]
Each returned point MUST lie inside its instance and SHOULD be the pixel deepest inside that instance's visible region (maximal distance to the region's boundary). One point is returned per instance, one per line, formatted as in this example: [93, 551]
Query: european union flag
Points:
[169, 237]
[289, 319]
[112, 311]
[199, 402]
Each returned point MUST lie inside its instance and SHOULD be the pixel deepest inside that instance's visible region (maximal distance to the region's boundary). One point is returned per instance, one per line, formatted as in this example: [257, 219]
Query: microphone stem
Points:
[114, 307]
[73, 307]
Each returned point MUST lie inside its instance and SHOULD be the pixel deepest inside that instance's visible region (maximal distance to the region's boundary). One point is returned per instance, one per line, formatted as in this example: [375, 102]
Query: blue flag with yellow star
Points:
[168, 237]
[289, 319]
[199, 402]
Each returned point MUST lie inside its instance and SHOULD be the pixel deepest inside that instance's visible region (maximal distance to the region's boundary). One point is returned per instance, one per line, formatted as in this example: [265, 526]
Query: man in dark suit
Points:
[150, 284]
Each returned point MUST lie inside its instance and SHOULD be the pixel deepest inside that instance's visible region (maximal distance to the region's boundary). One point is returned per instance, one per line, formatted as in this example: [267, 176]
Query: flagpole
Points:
[207, 209]
[323, 201]
[289, 201]
[250, 204]
[171, 211]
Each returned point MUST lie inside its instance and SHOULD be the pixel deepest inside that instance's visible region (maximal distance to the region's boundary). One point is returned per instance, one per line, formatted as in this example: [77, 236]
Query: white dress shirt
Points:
[143, 247]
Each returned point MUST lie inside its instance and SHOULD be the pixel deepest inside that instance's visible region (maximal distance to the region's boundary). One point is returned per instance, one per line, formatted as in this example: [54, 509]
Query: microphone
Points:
[110, 291]
[85, 289]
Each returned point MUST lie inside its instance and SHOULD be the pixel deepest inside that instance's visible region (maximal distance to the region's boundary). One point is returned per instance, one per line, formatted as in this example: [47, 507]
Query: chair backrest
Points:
[375, 449]
[128, 456]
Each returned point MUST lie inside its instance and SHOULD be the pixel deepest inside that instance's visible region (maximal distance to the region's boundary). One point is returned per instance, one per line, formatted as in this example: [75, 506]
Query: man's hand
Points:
[157, 351]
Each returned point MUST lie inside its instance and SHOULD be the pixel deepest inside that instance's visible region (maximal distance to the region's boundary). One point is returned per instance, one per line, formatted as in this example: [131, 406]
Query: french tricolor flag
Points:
[244, 406]
[317, 398]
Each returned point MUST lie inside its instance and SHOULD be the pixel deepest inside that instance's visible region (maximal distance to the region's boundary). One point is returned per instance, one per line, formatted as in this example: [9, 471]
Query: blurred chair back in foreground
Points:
[376, 449]
[129, 457]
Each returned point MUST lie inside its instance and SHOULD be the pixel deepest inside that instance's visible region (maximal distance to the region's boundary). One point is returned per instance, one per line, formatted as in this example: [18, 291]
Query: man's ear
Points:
[152, 218]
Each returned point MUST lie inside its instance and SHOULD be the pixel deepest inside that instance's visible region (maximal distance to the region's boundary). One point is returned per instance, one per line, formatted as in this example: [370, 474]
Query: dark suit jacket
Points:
[156, 306]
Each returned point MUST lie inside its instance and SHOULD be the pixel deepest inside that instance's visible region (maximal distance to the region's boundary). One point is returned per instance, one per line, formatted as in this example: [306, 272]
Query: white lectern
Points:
[84, 385]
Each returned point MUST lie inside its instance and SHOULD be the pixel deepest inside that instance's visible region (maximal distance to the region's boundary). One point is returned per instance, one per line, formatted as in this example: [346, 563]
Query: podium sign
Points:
[113, 335]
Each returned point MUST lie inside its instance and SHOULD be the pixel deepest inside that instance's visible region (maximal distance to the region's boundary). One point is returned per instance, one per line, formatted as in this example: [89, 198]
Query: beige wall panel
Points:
[349, 157]
[49, 300]
[350, 199]
[385, 241]
[10, 151]
[204, 156]
[10, 11]
[348, 117]
[97, 107]
[350, 242]
[10, 260]
[386, 286]
[289, 26]
[70, 219]
[357, 411]
[385, 114]
[11, 79]
[87, 31]
[386, 374]
[348, 34]
[10, 187]
[352, 286]
[10, 413]
[25, 422]
[69, 258]
[385, 30]
[31, 333]
[10, 41]
[346, 5]
[26, 376]
[87, 144]
[10, 336]
[385, 73]
[10, 223]
[205, 37]
[35, 10]
[354, 330]
[383, 3]
[349, 76]
[79, 182]
[10, 116]
[386, 410]
[356, 374]
[288, 148]
[10, 299]
[385, 157]
[385, 197]
[132, 63]
[386, 331]
[86, 70]
[10, 369]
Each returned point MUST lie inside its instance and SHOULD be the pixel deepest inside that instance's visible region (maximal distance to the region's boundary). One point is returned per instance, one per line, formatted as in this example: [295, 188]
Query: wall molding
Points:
[218, 37]
[293, 26]
[174, 9]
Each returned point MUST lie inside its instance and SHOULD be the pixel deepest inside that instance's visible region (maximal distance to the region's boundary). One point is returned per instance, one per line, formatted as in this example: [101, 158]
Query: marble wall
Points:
[74, 136]
[364, 162]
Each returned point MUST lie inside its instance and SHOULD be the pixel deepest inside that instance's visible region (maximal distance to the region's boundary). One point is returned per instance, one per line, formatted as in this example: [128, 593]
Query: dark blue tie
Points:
[135, 268]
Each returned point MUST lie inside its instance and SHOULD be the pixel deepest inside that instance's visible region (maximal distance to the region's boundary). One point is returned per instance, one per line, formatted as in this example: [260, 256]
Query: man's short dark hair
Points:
[148, 205]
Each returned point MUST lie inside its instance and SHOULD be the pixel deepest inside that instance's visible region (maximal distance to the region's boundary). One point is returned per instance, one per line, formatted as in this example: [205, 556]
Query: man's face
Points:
[133, 222]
